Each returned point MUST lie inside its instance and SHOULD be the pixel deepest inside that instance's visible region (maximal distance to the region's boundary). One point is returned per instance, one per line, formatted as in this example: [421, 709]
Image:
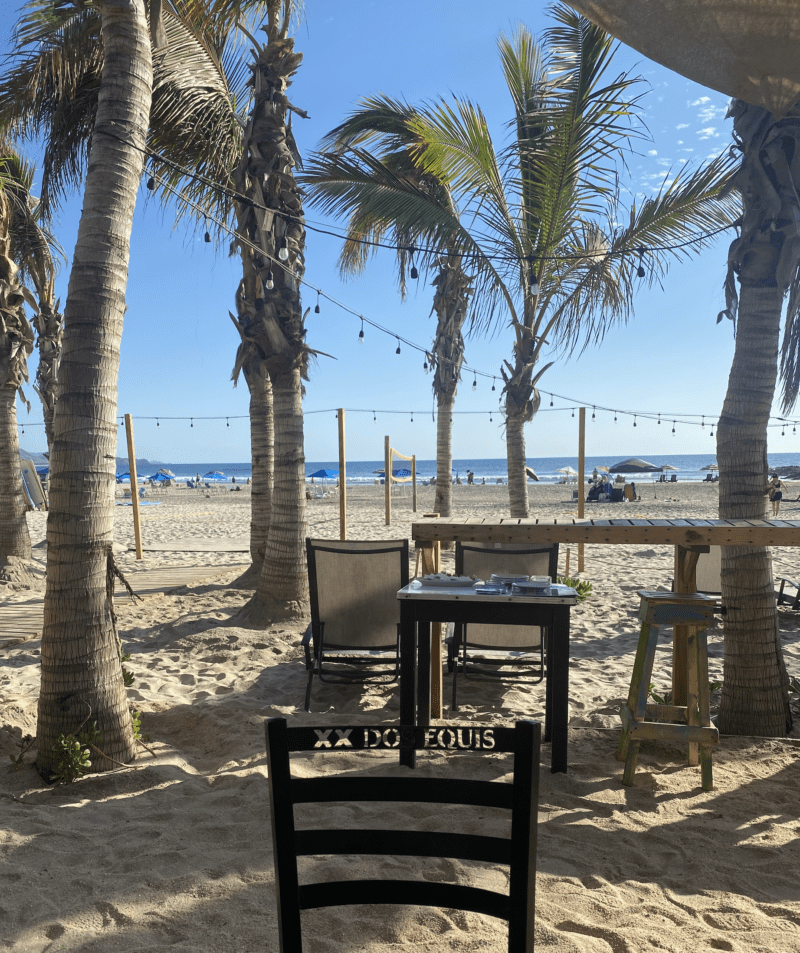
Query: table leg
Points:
[423, 673]
[558, 675]
[685, 581]
[408, 672]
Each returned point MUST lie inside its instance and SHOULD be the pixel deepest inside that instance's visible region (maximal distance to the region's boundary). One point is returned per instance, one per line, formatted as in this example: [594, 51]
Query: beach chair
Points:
[355, 616]
[444, 886]
[673, 478]
[485, 650]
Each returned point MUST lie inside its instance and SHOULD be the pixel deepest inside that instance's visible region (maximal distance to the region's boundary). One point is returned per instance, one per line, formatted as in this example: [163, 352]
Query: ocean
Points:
[688, 467]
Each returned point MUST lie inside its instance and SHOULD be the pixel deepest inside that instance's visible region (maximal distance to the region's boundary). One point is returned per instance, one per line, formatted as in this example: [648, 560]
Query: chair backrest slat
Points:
[407, 893]
[419, 790]
[517, 852]
[493, 850]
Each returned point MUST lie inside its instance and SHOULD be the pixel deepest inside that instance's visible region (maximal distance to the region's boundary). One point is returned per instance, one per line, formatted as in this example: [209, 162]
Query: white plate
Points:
[533, 585]
[441, 580]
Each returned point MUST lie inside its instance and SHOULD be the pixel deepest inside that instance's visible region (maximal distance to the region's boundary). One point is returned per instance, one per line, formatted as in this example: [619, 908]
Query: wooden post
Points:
[581, 475]
[342, 479]
[387, 478]
[414, 483]
[431, 558]
[137, 531]
[685, 576]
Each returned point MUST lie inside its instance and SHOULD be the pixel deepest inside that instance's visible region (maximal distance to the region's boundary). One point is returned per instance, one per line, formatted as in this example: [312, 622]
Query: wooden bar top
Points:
[677, 532]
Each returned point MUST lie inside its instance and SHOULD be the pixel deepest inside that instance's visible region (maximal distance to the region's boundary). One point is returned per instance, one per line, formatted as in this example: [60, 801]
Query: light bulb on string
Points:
[640, 270]
[615, 416]
[157, 422]
[659, 419]
[783, 430]
[593, 410]
[207, 236]
[413, 273]
[493, 380]
[227, 422]
[634, 420]
[398, 346]
[269, 284]
[316, 309]
[573, 411]
[551, 400]
[702, 421]
[374, 415]
[151, 183]
[673, 426]
[712, 430]
[361, 333]
[475, 382]
[412, 416]
[425, 365]
[283, 251]
[490, 416]
[534, 284]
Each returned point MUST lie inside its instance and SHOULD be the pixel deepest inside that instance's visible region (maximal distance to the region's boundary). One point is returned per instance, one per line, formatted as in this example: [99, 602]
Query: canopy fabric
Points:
[531, 474]
[746, 49]
[634, 465]
[568, 470]
[167, 472]
[324, 474]
[213, 475]
[711, 466]
[160, 478]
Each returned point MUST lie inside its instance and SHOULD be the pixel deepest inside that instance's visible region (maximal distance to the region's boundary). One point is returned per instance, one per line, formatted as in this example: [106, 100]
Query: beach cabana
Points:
[635, 465]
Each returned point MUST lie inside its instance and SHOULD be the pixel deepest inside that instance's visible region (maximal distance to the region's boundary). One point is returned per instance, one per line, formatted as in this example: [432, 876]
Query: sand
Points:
[174, 852]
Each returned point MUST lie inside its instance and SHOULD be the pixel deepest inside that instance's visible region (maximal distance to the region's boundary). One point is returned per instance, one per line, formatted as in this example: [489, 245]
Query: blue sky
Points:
[179, 344]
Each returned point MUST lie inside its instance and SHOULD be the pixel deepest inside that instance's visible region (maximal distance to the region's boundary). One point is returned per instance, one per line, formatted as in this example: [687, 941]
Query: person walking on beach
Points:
[775, 493]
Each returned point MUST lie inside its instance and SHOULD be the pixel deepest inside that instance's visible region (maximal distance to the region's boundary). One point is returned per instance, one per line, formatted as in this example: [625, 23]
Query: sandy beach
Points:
[174, 852]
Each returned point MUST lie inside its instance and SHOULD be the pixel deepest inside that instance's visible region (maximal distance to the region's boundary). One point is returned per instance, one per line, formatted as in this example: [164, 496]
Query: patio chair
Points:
[484, 650]
[516, 852]
[355, 615]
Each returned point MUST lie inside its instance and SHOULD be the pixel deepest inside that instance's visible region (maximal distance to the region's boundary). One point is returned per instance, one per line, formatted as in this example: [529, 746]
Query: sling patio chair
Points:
[516, 852]
[485, 650]
[354, 634]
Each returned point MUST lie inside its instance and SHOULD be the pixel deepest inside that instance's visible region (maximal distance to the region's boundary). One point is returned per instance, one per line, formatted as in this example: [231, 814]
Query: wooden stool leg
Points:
[693, 689]
[627, 750]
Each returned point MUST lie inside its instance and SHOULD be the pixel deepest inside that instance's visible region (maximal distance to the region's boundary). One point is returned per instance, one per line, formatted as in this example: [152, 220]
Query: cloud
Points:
[701, 101]
[682, 125]
[710, 132]
[653, 152]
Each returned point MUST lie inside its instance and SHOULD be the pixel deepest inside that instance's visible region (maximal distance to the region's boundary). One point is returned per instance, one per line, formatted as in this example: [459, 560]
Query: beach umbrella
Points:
[166, 472]
[401, 472]
[602, 469]
[634, 465]
[531, 474]
[668, 466]
[214, 475]
[325, 474]
[711, 466]
[568, 470]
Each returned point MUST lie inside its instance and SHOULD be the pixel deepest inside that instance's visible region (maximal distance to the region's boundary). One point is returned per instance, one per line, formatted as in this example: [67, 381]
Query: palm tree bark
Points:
[262, 448]
[81, 672]
[755, 683]
[14, 537]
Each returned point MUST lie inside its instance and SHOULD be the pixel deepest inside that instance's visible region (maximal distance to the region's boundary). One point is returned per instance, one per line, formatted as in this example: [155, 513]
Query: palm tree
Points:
[93, 101]
[16, 343]
[35, 250]
[269, 316]
[543, 238]
[766, 261]
[370, 174]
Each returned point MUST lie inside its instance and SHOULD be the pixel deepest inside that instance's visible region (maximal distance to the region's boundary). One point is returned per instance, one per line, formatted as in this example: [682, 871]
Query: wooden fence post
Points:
[342, 479]
[137, 531]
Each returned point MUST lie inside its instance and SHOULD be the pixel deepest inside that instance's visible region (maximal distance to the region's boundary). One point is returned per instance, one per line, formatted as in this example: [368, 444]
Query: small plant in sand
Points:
[24, 745]
[127, 676]
[582, 586]
[136, 718]
[73, 755]
[666, 698]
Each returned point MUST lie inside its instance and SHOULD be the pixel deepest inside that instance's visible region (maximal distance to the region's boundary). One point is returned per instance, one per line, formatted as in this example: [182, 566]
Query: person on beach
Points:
[775, 493]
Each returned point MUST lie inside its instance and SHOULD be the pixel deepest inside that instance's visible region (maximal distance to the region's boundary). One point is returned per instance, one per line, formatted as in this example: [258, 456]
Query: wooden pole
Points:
[414, 483]
[581, 475]
[137, 530]
[431, 554]
[387, 478]
[342, 479]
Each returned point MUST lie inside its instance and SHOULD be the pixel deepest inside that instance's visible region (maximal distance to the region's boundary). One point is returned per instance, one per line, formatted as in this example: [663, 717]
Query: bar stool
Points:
[689, 723]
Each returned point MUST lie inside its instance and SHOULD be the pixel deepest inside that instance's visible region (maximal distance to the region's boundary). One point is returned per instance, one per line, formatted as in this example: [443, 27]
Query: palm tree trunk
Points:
[445, 402]
[754, 693]
[283, 586]
[515, 455]
[81, 672]
[262, 440]
[14, 537]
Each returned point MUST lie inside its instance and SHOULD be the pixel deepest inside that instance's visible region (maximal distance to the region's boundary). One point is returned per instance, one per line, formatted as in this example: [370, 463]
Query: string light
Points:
[659, 418]
[207, 236]
[192, 421]
[227, 422]
[493, 380]
[593, 410]
[151, 183]
[640, 270]
[673, 426]
[158, 424]
[270, 282]
[634, 420]
[551, 400]
[475, 382]
[615, 416]
[425, 365]
[283, 251]
[361, 333]
[414, 273]
[398, 346]
[316, 309]
[412, 416]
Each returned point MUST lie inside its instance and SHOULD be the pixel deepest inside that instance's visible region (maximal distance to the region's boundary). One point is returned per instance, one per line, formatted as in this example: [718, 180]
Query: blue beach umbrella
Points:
[324, 474]
[214, 475]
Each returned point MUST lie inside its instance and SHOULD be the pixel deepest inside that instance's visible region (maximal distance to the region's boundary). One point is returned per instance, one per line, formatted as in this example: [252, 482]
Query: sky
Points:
[179, 343]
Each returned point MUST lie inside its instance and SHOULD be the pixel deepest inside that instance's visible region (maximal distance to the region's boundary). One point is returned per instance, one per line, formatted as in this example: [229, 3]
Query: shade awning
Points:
[746, 49]
[324, 474]
[634, 465]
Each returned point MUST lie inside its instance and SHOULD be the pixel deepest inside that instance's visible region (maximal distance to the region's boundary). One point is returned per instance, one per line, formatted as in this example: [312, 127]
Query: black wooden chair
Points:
[517, 852]
[355, 616]
[491, 650]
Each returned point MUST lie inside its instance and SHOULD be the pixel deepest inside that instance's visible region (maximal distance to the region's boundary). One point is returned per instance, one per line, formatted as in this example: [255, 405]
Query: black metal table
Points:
[422, 605]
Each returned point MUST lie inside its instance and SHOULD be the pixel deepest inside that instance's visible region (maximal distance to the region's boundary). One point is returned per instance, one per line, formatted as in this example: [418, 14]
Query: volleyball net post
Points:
[389, 453]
